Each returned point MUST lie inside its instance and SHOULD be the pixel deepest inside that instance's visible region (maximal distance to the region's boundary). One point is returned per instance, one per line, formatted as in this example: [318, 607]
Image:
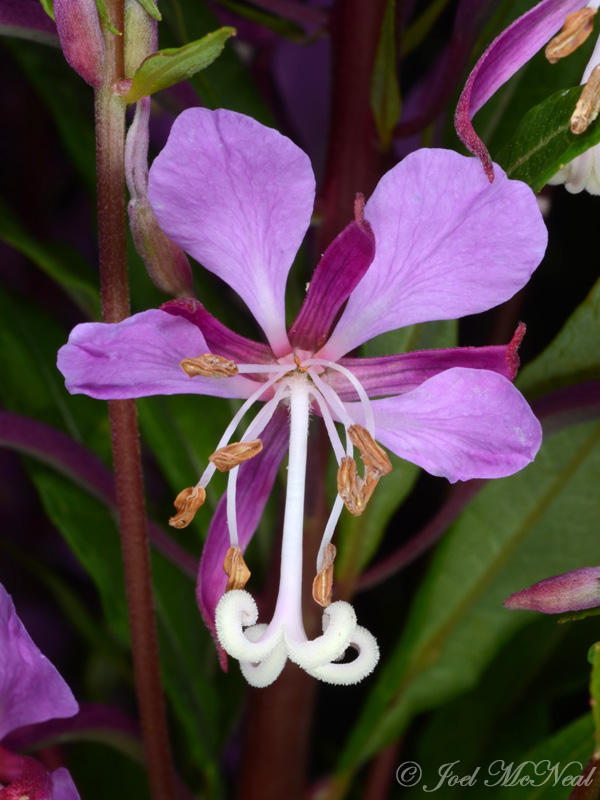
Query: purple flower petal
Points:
[448, 242]
[31, 689]
[63, 787]
[255, 481]
[340, 269]
[506, 54]
[460, 424]
[138, 357]
[220, 339]
[238, 197]
[388, 375]
[571, 591]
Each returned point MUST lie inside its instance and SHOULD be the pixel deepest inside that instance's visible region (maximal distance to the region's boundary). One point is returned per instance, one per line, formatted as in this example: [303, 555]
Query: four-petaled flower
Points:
[31, 691]
[435, 241]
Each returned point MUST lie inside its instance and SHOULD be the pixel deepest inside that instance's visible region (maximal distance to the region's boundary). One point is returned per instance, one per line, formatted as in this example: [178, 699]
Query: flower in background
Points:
[31, 691]
[435, 241]
[513, 48]
[570, 591]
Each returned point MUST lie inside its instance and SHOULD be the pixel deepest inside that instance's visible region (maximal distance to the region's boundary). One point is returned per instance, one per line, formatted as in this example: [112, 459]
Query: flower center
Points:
[298, 381]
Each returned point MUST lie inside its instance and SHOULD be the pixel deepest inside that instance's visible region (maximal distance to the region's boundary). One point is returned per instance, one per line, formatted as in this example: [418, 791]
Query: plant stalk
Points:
[110, 152]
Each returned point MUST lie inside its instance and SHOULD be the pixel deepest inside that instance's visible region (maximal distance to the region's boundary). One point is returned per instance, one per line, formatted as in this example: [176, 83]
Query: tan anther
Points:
[235, 569]
[349, 486]
[323, 582]
[373, 456]
[231, 455]
[209, 365]
[187, 502]
[588, 105]
[573, 34]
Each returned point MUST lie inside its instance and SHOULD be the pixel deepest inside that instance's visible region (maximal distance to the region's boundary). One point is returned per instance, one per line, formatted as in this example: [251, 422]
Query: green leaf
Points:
[103, 14]
[543, 142]
[282, 27]
[595, 693]
[48, 6]
[168, 67]
[418, 30]
[151, 8]
[385, 90]
[512, 535]
[66, 267]
[572, 356]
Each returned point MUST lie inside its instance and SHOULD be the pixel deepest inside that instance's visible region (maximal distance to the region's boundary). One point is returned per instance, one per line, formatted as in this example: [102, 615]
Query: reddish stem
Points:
[353, 162]
[110, 152]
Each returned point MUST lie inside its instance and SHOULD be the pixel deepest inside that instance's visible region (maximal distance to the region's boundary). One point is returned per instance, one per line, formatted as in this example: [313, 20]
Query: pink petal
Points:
[220, 339]
[388, 375]
[506, 54]
[460, 424]
[448, 243]
[31, 689]
[63, 787]
[340, 269]
[238, 197]
[139, 357]
[255, 482]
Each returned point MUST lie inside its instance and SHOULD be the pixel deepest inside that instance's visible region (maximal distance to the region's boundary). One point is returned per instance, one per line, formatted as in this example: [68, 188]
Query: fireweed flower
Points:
[31, 691]
[434, 241]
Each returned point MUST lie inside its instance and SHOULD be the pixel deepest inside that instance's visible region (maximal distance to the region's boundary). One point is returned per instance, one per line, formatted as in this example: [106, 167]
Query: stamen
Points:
[187, 502]
[373, 456]
[236, 569]
[229, 430]
[334, 438]
[349, 486]
[233, 454]
[360, 389]
[588, 105]
[330, 529]
[209, 365]
[323, 582]
[575, 31]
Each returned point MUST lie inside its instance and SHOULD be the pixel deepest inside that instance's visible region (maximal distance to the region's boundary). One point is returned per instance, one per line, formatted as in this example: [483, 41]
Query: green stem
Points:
[110, 141]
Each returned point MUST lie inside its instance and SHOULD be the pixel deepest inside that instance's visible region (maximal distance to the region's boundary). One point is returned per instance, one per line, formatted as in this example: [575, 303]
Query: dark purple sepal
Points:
[23, 777]
[255, 481]
[220, 339]
[340, 269]
[389, 375]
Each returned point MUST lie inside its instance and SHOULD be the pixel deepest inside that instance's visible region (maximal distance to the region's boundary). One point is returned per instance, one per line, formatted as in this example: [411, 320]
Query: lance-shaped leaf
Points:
[175, 64]
[150, 7]
[543, 142]
[385, 91]
[594, 657]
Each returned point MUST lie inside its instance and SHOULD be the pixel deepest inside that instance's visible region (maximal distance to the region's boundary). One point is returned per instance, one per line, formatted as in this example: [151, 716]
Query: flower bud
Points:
[81, 38]
[570, 591]
[140, 36]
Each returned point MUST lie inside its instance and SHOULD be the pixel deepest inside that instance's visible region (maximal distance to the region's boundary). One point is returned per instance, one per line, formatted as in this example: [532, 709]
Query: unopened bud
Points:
[187, 502]
[570, 591]
[140, 35]
[166, 263]
[323, 582]
[236, 569]
[81, 39]
[231, 455]
[575, 31]
[209, 365]
[588, 105]
[373, 456]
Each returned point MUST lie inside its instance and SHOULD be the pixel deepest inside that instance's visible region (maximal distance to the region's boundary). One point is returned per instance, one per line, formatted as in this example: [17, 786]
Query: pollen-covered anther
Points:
[575, 31]
[323, 582]
[350, 486]
[236, 569]
[588, 105]
[209, 365]
[374, 457]
[231, 455]
[187, 502]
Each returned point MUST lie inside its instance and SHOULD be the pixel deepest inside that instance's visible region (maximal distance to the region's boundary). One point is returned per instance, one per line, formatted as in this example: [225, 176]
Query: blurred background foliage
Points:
[461, 678]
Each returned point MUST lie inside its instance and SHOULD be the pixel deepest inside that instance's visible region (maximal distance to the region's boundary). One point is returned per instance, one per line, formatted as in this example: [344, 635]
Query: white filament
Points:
[360, 389]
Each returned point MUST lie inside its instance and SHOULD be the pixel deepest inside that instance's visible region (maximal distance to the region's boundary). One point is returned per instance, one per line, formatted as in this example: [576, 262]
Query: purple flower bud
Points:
[571, 591]
[81, 38]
